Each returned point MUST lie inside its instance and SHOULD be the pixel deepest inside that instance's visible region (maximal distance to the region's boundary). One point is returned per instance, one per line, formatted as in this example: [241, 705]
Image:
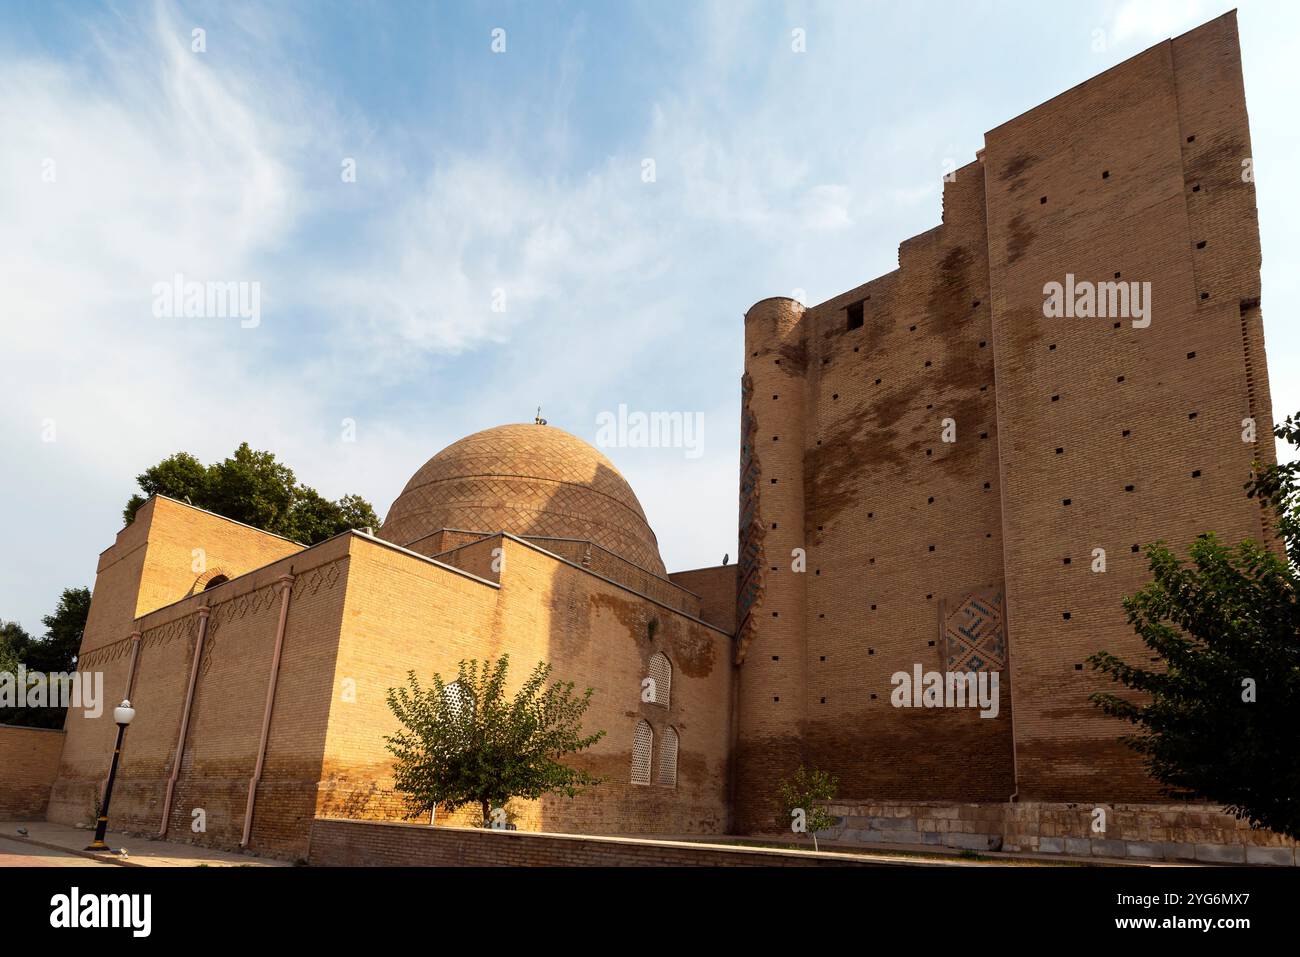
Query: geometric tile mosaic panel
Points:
[973, 632]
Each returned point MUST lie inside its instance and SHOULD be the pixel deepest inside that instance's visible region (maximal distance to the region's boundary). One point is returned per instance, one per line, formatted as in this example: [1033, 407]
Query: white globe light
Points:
[124, 713]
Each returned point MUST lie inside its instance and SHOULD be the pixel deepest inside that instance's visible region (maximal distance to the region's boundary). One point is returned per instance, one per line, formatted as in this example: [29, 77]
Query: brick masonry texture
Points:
[362, 613]
[1070, 435]
[1141, 831]
[869, 544]
[527, 480]
[340, 843]
[29, 758]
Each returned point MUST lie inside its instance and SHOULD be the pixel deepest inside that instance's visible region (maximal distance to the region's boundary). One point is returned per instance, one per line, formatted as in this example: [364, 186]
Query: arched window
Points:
[668, 758]
[642, 745]
[215, 581]
[661, 673]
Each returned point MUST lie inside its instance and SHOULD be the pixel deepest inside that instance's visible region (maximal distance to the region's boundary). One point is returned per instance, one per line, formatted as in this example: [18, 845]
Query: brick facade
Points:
[928, 467]
[361, 613]
[30, 759]
[950, 458]
[337, 843]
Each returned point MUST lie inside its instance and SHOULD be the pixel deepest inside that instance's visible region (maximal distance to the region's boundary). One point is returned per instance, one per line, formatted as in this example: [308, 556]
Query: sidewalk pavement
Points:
[140, 851]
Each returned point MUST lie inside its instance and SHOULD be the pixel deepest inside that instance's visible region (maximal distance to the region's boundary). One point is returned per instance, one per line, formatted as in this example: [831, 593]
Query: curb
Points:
[108, 858]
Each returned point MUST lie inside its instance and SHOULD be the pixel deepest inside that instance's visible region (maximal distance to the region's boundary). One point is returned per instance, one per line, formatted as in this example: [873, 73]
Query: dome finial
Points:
[538, 420]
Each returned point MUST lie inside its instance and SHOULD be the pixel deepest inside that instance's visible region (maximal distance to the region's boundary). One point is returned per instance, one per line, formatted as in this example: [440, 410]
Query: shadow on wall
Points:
[663, 761]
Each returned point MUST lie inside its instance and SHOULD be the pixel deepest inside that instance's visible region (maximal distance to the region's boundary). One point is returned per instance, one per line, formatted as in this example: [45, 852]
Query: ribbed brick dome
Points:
[529, 480]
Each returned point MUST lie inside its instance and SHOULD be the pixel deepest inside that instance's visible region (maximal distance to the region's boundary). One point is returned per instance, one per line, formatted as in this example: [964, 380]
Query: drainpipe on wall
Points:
[204, 612]
[130, 671]
[1015, 749]
[286, 589]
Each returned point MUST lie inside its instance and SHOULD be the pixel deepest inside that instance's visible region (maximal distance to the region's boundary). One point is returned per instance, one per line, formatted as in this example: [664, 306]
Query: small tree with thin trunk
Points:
[799, 797]
[467, 742]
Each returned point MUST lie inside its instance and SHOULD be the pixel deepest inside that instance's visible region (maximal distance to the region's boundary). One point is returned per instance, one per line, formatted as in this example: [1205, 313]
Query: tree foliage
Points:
[253, 488]
[1216, 715]
[13, 638]
[802, 792]
[469, 743]
[54, 653]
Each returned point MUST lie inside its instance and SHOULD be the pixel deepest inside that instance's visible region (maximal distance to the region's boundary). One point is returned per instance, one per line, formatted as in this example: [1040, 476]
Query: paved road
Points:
[20, 854]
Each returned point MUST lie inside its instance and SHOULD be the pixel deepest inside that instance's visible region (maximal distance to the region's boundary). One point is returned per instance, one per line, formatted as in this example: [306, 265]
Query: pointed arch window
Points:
[642, 746]
[661, 673]
[668, 758]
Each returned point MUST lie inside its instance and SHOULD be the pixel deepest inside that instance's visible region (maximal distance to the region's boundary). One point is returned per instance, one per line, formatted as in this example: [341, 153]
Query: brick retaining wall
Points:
[342, 843]
[1174, 832]
[29, 761]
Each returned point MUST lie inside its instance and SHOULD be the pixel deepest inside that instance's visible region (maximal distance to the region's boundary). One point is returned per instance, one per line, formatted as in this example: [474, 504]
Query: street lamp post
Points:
[122, 714]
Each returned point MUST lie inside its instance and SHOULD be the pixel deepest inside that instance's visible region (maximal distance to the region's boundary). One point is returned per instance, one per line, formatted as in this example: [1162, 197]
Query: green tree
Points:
[799, 797]
[1215, 716]
[254, 488]
[468, 743]
[56, 652]
[13, 645]
[180, 476]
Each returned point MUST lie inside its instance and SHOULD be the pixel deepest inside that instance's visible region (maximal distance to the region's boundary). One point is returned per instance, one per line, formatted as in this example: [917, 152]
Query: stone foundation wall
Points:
[1170, 832]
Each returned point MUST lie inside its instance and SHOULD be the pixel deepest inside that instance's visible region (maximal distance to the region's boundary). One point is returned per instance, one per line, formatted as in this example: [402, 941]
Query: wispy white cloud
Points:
[775, 170]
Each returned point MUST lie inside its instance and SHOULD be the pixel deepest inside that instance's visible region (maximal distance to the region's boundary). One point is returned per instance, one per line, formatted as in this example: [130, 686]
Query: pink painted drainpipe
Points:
[204, 612]
[286, 589]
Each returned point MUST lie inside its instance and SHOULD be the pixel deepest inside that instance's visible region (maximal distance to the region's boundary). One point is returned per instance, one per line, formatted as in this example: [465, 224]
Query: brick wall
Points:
[361, 613]
[772, 634]
[716, 588]
[153, 561]
[30, 759]
[1175, 832]
[1070, 435]
[404, 614]
[340, 843]
[1115, 436]
[222, 739]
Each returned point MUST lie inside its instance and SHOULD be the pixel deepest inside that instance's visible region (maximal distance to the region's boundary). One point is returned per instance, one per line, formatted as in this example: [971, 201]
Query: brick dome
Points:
[529, 480]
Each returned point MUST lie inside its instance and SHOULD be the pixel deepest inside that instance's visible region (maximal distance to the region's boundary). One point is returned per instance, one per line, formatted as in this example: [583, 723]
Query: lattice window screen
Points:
[458, 698]
[641, 748]
[668, 758]
[661, 670]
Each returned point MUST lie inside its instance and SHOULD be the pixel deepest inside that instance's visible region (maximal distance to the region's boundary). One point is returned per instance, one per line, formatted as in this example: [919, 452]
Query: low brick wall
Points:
[1172, 832]
[342, 843]
[29, 762]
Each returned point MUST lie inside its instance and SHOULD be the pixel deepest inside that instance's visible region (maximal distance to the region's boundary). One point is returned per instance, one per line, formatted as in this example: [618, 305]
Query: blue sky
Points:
[478, 171]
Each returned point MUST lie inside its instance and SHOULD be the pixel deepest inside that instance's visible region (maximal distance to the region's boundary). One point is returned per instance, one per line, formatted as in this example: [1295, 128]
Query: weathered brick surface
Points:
[526, 480]
[1140, 831]
[1071, 435]
[716, 588]
[337, 843]
[865, 536]
[1157, 410]
[29, 759]
[591, 631]
[225, 722]
[153, 563]
[361, 614]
